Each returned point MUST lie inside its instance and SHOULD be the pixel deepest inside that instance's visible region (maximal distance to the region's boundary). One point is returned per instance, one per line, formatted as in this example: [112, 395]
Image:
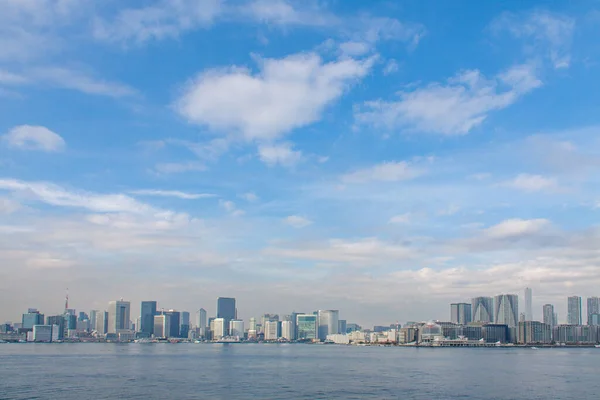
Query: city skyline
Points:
[298, 154]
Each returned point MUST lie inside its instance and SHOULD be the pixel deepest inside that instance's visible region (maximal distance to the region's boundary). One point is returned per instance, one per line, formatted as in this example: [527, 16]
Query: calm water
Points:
[260, 371]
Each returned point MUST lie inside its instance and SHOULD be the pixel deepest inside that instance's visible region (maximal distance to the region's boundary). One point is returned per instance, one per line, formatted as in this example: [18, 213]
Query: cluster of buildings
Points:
[482, 321]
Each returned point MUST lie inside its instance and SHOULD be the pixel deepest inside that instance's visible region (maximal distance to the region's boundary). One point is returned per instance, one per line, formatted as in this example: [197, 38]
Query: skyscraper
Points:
[528, 305]
[162, 326]
[93, 316]
[101, 322]
[287, 330]
[226, 310]
[593, 307]
[219, 328]
[59, 322]
[118, 316]
[174, 322]
[32, 317]
[328, 323]
[307, 325]
[236, 328]
[460, 313]
[548, 311]
[201, 322]
[507, 310]
[184, 324]
[574, 310]
[272, 330]
[147, 313]
[483, 309]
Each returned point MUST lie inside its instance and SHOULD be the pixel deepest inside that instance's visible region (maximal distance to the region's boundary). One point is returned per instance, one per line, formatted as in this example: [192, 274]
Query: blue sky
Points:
[384, 158]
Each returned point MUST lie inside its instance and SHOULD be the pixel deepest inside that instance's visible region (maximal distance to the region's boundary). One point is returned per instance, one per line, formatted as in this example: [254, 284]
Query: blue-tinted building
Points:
[226, 309]
[31, 318]
[147, 313]
[307, 325]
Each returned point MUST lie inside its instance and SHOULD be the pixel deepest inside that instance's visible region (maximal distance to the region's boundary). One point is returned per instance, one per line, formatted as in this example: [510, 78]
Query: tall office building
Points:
[548, 311]
[236, 328]
[226, 310]
[101, 324]
[460, 313]
[252, 324]
[201, 322]
[174, 322]
[93, 316]
[507, 310]
[528, 305]
[118, 316]
[328, 323]
[32, 317]
[266, 318]
[287, 330]
[482, 309]
[307, 325]
[57, 321]
[593, 307]
[574, 310]
[272, 330]
[219, 328]
[184, 324]
[162, 326]
[147, 313]
[342, 326]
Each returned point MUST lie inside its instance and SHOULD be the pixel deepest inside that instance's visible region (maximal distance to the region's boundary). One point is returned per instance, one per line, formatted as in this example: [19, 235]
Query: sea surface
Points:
[293, 371]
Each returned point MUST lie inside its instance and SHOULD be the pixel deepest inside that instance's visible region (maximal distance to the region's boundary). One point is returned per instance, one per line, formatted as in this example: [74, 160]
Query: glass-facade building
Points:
[482, 309]
[460, 313]
[507, 310]
[147, 313]
[574, 310]
[307, 325]
[226, 309]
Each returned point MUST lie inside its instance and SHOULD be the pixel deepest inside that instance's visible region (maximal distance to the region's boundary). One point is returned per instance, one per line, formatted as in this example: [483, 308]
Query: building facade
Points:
[201, 323]
[534, 332]
[328, 323]
[483, 309]
[548, 312]
[219, 328]
[287, 330]
[147, 313]
[461, 313]
[574, 310]
[272, 330]
[162, 326]
[593, 307]
[118, 316]
[236, 328]
[506, 310]
[307, 325]
[528, 304]
[226, 309]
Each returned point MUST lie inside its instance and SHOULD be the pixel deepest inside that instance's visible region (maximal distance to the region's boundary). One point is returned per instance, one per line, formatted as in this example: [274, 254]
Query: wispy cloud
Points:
[30, 137]
[453, 108]
[172, 193]
[386, 172]
[297, 221]
[531, 183]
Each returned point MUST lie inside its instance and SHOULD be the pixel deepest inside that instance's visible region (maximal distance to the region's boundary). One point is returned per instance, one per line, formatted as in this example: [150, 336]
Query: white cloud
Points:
[172, 193]
[78, 80]
[387, 172]
[174, 168]
[161, 20]
[390, 67]
[516, 227]
[455, 107]
[354, 48]
[249, 196]
[400, 219]
[282, 12]
[8, 206]
[9, 78]
[297, 221]
[282, 154]
[231, 208]
[450, 210]
[531, 183]
[551, 34]
[34, 138]
[288, 93]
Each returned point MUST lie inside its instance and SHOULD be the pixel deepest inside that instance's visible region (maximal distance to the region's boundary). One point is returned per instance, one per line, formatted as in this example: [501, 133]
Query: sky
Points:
[383, 158]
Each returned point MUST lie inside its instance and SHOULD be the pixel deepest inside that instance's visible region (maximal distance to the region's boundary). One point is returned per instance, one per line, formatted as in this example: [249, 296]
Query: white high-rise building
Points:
[483, 309]
[252, 324]
[528, 305]
[593, 307]
[507, 310]
[287, 330]
[162, 326]
[201, 321]
[549, 316]
[271, 330]
[574, 310]
[219, 328]
[328, 323]
[118, 316]
[236, 328]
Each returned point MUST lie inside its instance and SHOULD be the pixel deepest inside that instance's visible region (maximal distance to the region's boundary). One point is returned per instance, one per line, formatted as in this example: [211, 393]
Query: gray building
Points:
[342, 326]
[307, 325]
[184, 324]
[549, 317]
[147, 313]
[328, 323]
[574, 310]
[482, 309]
[30, 318]
[593, 307]
[59, 322]
[460, 313]
[118, 316]
[493, 333]
[507, 310]
[534, 332]
[174, 323]
[528, 305]
[226, 309]
[201, 323]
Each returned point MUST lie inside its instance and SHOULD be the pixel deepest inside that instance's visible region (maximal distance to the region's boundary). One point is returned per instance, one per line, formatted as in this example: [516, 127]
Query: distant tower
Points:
[528, 305]
[67, 302]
